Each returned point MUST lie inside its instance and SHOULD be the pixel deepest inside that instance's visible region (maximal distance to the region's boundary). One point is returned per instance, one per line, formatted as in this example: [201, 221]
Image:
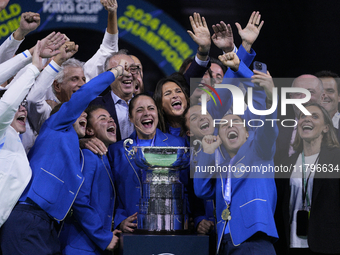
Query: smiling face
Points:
[101, 125]
[124, 85]
[198, 125]
[80, 125]
[312, 128]
[331, 95]
[19, 121]
[144, 116]
[73, 79]
[173, 99]
[233, 137]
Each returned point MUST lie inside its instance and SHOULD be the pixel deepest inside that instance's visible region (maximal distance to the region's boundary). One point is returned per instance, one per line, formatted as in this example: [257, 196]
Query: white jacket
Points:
[15, 172]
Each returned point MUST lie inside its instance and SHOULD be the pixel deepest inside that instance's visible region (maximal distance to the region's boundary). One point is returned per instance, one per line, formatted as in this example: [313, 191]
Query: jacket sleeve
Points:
[8, 48]
[12, 66]
[38, 108]
[96, 65]
[195, 71]
[245, 56]
[12, 98]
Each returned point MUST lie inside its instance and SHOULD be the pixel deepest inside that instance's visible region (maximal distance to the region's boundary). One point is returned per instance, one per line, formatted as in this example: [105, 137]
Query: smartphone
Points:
[259, 66]
[302, 220]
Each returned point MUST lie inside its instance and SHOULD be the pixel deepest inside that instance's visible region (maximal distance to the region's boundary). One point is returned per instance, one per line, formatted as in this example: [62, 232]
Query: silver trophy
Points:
[162, 207]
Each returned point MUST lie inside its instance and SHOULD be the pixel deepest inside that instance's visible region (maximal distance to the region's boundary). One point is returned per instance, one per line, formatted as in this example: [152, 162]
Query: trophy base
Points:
[161, 232]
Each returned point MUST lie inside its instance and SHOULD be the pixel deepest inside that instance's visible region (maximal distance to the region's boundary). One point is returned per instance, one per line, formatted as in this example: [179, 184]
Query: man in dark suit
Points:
[117, 99]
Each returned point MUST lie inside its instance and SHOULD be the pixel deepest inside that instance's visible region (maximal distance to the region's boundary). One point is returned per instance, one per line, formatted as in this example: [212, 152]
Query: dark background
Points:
[298, 37]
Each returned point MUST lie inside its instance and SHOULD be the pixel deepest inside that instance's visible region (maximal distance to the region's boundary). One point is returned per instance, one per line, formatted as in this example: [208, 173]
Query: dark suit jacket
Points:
[324, 222]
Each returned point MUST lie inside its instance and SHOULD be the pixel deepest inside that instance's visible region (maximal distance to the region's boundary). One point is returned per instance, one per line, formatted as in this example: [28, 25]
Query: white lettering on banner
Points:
[77, 18]
[71, 6]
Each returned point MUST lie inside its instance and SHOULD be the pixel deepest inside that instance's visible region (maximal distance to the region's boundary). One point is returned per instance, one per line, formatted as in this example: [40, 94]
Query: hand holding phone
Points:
[259, 66]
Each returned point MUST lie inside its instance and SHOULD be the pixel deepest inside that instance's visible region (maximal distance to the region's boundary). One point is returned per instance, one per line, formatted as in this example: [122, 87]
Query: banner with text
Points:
[141, 24]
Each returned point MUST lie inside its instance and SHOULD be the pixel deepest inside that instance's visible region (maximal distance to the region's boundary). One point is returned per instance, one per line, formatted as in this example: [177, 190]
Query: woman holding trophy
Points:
[128, 177]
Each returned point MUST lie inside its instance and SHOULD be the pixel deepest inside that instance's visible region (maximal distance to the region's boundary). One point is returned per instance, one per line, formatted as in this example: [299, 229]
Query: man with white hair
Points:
[67, 77]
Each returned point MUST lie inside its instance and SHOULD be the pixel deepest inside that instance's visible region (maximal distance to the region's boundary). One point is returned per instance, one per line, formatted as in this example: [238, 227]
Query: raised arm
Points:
[38, 109]
[223, 37]
[29, 21]
[266, 136]
[250, 33]
[201, 35]
[50, 45]
[96, 64]
[12, 98]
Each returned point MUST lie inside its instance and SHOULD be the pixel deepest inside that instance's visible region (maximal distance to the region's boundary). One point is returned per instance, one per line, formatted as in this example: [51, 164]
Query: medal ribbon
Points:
[227, 190]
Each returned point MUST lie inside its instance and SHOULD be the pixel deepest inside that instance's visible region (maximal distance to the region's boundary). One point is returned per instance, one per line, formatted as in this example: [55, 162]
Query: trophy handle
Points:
[200, 146]
[130, 141]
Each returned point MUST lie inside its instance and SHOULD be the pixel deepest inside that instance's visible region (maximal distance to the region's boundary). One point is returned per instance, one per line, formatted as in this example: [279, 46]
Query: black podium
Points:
[132, 244]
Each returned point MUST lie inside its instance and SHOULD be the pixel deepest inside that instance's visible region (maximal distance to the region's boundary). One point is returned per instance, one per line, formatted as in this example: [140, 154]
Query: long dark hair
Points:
[158, 97]
[329, 139]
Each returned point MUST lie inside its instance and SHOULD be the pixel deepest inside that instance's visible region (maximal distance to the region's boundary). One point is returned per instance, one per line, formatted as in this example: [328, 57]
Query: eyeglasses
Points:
[24, 103]
[134, 69]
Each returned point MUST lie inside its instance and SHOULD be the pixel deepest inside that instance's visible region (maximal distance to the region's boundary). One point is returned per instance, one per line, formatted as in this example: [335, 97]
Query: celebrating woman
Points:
[245, 199]
[128, 177]
[307, 214]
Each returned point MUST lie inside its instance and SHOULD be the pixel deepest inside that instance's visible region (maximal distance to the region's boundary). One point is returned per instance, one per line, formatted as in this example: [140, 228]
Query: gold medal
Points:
[226, 214]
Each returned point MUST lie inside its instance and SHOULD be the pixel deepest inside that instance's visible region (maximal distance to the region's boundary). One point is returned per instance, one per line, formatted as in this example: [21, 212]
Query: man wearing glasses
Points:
[117, 99]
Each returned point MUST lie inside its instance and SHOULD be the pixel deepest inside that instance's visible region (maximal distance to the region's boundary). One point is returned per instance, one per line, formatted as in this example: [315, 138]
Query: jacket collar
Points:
[159, 139]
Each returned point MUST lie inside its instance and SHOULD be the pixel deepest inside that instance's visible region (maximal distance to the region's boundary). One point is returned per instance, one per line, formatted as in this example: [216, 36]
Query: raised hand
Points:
[67, 50]
[3, 4]
[250, 33]
[110, 5]
[29, 22]
[223, 37]
[52, 43]
[200, 34]
[36, 59]
[230, 60]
